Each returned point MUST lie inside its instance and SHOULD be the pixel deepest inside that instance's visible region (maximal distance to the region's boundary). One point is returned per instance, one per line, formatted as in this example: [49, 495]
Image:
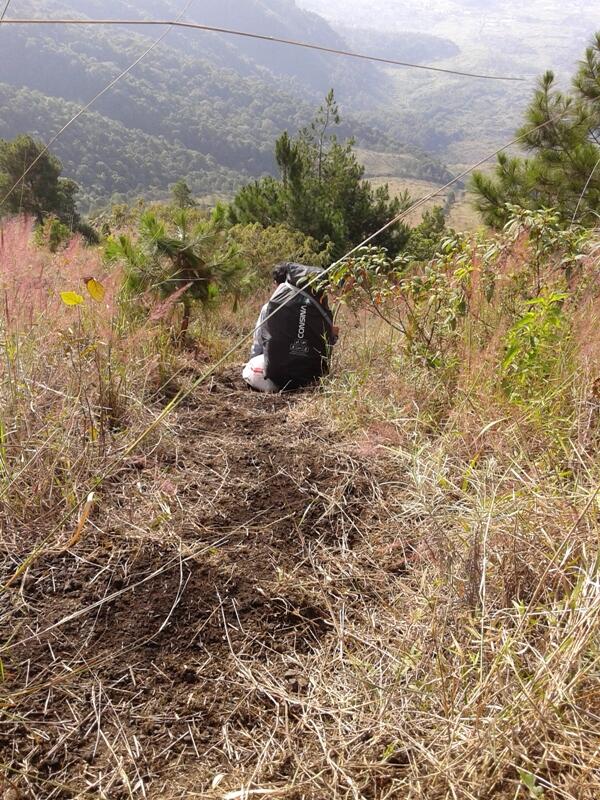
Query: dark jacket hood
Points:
[300, 274]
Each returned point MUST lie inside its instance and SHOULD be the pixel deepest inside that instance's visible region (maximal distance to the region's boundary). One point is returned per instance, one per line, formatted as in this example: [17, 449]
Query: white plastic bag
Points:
[254, 375]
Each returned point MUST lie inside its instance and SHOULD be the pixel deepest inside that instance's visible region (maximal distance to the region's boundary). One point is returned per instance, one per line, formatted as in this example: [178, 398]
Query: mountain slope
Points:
[107, 158]
[460, 119]
[306, 69]
[202, 106]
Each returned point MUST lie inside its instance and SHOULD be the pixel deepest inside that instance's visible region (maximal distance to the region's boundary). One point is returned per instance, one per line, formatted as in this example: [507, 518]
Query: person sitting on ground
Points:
[294, 332]
[258, 343]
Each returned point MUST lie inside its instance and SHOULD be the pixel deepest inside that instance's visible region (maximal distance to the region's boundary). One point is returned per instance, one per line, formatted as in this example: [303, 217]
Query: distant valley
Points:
[209, 107]
[460, 119]
[201, 106]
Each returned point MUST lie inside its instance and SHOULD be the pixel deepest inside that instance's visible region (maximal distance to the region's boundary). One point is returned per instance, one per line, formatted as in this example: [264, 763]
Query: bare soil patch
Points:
[138, 664]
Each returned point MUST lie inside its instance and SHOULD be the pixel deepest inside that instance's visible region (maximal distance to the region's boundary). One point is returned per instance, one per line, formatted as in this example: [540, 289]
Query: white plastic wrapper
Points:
[254, 375]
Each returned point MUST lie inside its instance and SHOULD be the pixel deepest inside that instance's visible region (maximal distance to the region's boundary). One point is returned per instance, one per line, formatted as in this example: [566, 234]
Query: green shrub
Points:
[532, 347]
[52, 234]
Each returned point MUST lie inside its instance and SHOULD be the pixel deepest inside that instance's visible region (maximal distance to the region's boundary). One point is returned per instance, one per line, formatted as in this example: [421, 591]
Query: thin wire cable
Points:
[585, 188]
[4, 12]
[265, 38]
[183, 394]
[85, 108]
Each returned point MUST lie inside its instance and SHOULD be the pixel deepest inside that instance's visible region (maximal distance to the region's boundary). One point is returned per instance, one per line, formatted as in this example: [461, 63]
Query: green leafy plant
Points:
[187, 264]
[52, 234]
[531, 346]
[548, 238]
[262, 248]
[424, 303]
[529, 781]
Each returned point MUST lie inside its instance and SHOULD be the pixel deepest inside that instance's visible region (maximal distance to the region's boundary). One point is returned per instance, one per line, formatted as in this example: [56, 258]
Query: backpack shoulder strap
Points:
[315, 302]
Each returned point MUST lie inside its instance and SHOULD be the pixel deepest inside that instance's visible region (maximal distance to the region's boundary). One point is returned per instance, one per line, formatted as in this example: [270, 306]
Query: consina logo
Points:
[302, 324]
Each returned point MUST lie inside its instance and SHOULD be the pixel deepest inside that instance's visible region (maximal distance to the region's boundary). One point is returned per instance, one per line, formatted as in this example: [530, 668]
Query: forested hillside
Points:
[204, 106]
[104, 155]
[248, 57]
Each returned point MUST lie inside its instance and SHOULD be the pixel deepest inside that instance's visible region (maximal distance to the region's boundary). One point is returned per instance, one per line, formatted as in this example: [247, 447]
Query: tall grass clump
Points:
[477, 385]
[70, 365]
[90, 348]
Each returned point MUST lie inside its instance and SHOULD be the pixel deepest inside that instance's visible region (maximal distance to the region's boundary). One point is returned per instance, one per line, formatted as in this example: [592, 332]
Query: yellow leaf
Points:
[71, 298]
[95, 289]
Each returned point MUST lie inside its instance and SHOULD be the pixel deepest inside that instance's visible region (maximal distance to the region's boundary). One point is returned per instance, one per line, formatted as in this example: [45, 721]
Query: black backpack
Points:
[298, 338]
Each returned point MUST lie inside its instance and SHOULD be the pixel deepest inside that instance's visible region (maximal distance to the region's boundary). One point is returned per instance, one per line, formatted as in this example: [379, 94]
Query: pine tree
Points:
[182, 194]
[190, 262]
[562, 135]
[321, 190]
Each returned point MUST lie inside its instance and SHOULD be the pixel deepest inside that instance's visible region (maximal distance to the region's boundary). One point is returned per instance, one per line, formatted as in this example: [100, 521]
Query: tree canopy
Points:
[321, 190]
[42, 192]
[562, 133]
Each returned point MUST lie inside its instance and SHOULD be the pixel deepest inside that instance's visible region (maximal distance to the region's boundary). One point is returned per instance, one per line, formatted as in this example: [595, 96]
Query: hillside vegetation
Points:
[213, 103]
[384, 586]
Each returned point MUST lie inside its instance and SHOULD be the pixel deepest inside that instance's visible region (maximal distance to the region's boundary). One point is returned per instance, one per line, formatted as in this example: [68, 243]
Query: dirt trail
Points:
[203, 568]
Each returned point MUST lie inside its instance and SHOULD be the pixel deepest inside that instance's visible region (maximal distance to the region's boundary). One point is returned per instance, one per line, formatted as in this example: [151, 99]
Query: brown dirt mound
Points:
[124, 655]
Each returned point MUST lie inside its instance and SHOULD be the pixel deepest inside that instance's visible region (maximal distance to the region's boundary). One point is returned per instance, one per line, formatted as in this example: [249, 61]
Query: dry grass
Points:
[480, 664]
[388, 589]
